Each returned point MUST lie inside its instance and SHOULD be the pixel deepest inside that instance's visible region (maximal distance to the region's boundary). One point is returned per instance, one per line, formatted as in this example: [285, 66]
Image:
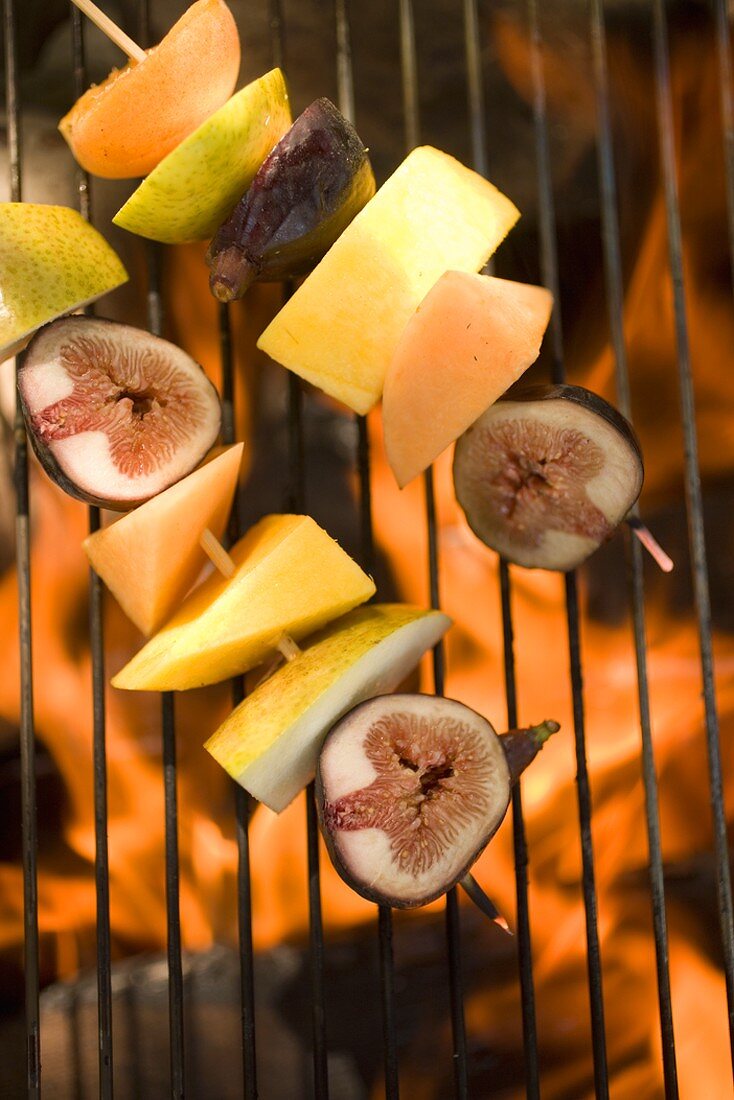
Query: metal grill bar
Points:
[694, 500]
[387, 994]
[519, 840]
[243, 811]
[726, 80]
[615, 302]
[23, 570]
[549, 268]
[478, 125]
[346, 103]
[296, 500]
[243, 805]
[173, 909]
[316, 939]
[99, 727]
[411, 101]
[101, 855]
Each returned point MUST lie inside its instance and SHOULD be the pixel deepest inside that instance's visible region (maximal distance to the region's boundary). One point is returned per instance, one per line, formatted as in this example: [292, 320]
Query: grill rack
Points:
[242, 801]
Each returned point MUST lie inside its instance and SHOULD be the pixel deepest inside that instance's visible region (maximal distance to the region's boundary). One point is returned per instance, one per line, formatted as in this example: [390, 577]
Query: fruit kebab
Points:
[270, 742]
[340, 328]
[126, 125]
[187, 195]
[411, 788]
[309, 188]
[547, 474]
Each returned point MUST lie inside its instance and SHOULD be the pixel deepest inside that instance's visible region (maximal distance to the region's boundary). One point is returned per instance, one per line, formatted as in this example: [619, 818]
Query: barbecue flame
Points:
[470, 594]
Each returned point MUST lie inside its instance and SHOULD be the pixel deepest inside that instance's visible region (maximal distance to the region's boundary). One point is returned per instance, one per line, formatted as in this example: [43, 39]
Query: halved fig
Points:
[306, 192]
[411, 788]
[114, 414]
[547, 474]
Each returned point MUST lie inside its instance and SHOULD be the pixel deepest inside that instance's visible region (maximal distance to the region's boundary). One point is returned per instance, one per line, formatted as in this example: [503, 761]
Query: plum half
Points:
[546, 475]
[114, 414]
[411, 788]
[306, 192]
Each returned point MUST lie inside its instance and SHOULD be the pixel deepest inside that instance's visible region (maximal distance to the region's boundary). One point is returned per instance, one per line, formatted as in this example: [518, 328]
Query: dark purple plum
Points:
[307, 191]
[547, 474]
[114, 414]
[411, 788]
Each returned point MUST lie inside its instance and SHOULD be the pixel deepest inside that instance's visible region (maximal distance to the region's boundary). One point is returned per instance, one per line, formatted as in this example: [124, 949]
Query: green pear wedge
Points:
[52, 262]
[271, 741]
[192, 190]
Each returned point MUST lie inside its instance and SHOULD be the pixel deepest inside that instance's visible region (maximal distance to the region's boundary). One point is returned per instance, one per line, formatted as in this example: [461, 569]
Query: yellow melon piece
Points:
[468, 341]
[290, 577]
[150, 557]
[341, 327]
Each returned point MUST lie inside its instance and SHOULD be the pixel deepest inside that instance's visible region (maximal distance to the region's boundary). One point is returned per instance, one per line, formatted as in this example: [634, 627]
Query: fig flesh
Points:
[546, 475]
[306, 192]
[410, 789]
[114, 414]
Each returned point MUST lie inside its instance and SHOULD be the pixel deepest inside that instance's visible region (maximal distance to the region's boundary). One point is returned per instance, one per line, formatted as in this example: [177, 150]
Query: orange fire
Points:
[470, 594]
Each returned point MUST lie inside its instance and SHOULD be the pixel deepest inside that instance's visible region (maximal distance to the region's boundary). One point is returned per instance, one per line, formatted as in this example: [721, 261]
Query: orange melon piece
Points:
[471, 337]
[290, 578]
[150, 557]
[126, 125]
[341, 327]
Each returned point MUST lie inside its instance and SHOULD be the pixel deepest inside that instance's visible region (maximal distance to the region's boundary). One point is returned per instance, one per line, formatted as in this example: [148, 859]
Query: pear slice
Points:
[290, 578]
[150, 558]
[340, 329]
[52, 262]
[194, 188]
[270, 742]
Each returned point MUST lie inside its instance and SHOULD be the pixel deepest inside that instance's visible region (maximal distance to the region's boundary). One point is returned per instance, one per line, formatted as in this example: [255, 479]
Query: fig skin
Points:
[48, 461]
[519, 748]
[310, 187]
[595, 522]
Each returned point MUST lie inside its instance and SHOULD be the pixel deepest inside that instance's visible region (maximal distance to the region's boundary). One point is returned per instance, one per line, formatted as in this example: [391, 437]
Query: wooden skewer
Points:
[483, 902]
[288, 647]
[651, 544]
[113, 32]
[216, 553]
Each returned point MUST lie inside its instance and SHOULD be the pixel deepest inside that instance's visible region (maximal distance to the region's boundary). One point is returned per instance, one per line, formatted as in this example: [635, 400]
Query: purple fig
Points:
[114, 414]
[306, 192]
[547, 474]
[411, 788]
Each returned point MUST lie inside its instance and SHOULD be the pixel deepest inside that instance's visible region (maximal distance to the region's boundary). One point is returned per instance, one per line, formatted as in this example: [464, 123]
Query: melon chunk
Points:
[290, 577]
[468, 341]
[341, 327]
[270, 742]
[150, 558]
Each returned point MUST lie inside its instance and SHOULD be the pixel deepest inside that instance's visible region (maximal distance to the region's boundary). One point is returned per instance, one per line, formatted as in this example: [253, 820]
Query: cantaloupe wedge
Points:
[150, 557]
[290, 577]
[270, 742]
[470, 338]
[127, 124]
[341, 327]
